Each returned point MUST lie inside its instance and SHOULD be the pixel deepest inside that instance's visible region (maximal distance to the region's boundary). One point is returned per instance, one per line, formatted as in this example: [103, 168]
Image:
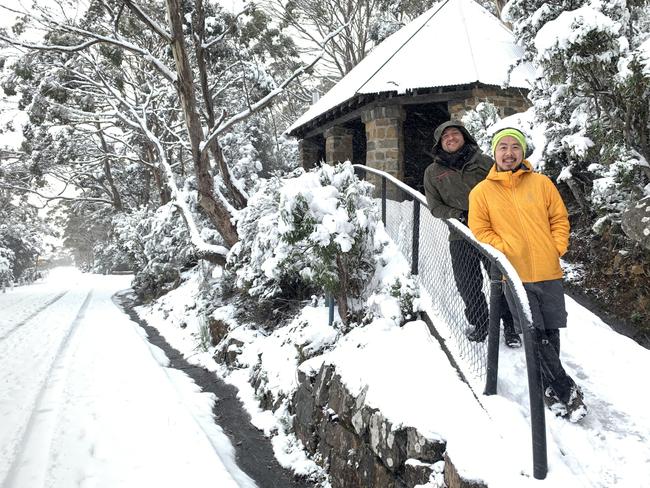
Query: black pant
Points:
[466, 263]
[546, 300]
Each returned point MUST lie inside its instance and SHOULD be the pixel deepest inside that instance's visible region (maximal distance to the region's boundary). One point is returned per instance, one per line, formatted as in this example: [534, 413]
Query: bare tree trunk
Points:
[238, 199]
[500, 4]
[164, 192]
[214, 208]
[115, 194]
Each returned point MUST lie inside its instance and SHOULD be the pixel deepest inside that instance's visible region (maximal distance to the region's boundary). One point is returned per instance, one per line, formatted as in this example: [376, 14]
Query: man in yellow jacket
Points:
[521, 213]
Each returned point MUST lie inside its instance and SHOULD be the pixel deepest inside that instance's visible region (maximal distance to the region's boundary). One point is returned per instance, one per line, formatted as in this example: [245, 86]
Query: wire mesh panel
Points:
[452, 274]
[450, 271]
[453, 271]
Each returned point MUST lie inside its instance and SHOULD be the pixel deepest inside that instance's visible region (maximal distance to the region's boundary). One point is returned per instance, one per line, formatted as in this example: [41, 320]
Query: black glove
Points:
[463, 217]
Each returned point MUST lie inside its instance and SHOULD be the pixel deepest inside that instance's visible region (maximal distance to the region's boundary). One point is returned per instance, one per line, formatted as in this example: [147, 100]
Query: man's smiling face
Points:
[508, 154]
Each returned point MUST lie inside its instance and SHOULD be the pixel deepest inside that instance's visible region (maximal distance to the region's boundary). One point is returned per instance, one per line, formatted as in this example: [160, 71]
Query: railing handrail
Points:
[493, 254]
[507, 271]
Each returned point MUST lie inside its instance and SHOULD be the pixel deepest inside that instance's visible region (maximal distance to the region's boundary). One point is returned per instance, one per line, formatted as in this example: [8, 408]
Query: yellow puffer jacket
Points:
[522, 215]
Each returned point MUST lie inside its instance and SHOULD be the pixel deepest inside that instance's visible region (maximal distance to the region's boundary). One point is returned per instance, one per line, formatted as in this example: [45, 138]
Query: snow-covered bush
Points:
[590, 97]
[158, 244]
[6, 258]
[591, 93]
[253, 150]
[318, 231]
[479, 121]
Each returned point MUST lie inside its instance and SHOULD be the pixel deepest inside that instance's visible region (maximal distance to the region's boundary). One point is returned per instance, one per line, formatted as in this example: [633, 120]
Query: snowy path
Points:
[611, 446]
[86, 401]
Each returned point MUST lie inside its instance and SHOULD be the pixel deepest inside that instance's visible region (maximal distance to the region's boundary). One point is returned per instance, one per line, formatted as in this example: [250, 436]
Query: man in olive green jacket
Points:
[458, 166]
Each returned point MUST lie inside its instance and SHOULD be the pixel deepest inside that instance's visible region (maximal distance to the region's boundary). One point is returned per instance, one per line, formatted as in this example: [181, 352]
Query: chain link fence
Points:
[460, 278]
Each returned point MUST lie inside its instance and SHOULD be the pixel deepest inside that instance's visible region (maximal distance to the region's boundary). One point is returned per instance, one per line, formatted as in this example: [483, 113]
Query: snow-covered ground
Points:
[86, 401]
[409, 379]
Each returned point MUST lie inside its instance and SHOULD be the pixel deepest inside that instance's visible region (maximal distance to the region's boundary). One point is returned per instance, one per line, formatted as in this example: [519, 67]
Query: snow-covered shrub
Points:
[479, 121]
[6, 268]
[317, 231]
[253, 149]
[592, 91]
[159, 244]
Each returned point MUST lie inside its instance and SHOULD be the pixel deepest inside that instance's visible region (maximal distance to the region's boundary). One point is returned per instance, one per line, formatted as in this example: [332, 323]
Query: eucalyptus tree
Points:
[366, 22]
[155, 83]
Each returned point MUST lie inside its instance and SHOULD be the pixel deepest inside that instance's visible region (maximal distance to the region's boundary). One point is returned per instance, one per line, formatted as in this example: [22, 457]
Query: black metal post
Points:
[415, 250]
[535, 393]
[494, 331]
[329, 301]
[383, 200]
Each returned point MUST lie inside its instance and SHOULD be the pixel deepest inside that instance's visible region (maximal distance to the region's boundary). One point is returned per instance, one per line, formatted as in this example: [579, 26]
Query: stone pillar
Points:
[338, 144]
[385, 140]
[309, 153]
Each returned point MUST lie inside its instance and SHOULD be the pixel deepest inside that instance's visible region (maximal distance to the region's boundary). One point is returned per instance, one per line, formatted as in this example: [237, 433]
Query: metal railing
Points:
[424, 241]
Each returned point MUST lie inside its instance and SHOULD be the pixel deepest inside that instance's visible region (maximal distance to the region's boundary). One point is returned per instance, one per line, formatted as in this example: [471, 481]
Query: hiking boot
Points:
[510, 337]
[554, 404]
[476, 334]
[576, 408]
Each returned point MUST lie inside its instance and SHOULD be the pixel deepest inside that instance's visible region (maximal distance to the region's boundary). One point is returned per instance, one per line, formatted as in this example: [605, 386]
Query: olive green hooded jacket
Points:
[447, 188]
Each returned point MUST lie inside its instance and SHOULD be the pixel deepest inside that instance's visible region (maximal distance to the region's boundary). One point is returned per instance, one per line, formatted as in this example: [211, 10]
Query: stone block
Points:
[636, 222]
[340, 400]
[416, 472]
[419, 447]
[322, 385]
[454, 480]
[388, 444]
[218, 330]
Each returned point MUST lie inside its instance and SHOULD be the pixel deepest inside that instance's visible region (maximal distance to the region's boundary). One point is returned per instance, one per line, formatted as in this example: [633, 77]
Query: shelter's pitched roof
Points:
[456, 42]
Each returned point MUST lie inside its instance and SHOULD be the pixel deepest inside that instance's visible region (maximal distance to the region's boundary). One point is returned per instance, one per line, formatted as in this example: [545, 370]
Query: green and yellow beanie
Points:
[509, 131]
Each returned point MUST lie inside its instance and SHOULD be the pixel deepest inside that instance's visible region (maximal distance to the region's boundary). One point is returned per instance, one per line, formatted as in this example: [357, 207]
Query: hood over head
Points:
[452, 123]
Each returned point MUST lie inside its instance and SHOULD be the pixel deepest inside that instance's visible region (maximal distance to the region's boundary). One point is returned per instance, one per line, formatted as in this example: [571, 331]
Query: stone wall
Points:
[309, 153]
[354, 442]
[509, 101]
[385, 139]
[361, 448]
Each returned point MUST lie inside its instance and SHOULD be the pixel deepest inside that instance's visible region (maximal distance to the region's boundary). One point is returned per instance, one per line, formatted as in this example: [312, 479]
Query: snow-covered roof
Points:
[456, 42]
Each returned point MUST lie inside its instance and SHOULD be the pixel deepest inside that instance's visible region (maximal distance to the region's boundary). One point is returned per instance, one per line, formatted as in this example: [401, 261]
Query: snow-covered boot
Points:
[476, 334]
[576, 408]
[554, 404]
[511, 337]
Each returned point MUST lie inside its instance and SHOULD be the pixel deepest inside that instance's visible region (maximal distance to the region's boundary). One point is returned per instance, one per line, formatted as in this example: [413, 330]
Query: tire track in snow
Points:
[32, 315]
[29, 467]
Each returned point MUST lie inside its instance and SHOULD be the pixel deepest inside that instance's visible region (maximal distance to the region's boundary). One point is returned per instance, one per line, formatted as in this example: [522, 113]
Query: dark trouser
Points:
[546, 300]
[466, 263]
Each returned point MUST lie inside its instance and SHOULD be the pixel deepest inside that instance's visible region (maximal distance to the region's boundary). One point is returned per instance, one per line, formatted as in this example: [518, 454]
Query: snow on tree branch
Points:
[259, 105]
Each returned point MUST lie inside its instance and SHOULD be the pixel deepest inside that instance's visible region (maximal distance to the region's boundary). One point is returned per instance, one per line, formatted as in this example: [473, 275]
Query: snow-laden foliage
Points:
[319, 231]
[591, 99]
[6, 259]
[158, 245]
[479, 121]
[591, 94]
[253, 150]
[21, 240]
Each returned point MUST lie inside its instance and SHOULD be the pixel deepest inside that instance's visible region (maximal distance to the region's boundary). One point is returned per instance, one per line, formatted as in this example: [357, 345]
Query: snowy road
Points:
[86, 401]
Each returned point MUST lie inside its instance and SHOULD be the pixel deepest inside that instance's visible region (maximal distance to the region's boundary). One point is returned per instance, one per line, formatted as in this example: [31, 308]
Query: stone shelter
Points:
[384, 111]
